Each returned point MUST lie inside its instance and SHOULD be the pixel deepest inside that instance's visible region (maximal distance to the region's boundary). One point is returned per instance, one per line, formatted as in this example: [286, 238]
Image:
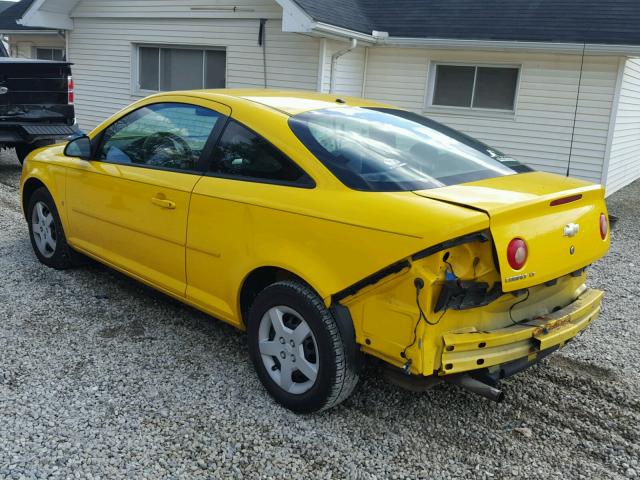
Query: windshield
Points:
[394, 150]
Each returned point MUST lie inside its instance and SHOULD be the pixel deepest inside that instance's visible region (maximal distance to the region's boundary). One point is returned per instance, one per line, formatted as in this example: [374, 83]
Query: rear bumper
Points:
[29, 133]
[468, 351]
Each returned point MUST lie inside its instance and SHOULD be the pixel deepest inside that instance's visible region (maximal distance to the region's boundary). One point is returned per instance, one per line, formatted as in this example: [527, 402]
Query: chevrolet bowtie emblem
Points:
[3, 90]
[571, 230]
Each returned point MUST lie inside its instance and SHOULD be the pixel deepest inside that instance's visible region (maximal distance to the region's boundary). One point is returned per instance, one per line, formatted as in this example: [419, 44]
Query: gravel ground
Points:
[101, 377]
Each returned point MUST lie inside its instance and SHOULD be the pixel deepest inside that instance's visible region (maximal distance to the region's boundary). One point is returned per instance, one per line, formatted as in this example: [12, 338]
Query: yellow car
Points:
[328, 228]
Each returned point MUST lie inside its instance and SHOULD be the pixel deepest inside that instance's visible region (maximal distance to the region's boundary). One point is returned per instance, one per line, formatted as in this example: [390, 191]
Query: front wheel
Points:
[45, 231]
[297, 349]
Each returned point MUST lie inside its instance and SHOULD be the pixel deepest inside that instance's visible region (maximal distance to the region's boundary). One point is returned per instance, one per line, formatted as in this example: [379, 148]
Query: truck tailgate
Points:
[34, 91]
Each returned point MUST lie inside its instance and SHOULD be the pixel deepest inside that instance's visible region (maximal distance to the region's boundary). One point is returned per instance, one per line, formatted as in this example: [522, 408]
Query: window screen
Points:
[475, 86]
[166, 68]
[49, 53]
[149, 71]
[495, 88]
[215, 69]
[454, 86]
[181, 69]
[245, 154]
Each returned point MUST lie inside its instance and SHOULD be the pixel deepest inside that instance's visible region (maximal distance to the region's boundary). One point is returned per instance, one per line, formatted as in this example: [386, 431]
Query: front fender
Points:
[43, 167]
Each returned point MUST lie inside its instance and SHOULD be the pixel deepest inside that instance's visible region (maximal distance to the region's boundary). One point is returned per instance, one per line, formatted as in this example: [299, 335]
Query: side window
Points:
[162, 135]
[245, 154]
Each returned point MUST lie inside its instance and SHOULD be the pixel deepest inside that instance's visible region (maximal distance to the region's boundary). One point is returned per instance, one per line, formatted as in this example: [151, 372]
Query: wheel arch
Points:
[260, 278]
[30, 185]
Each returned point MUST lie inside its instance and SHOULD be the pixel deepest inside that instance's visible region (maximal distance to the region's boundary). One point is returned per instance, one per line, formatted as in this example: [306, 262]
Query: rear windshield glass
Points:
[394, 150]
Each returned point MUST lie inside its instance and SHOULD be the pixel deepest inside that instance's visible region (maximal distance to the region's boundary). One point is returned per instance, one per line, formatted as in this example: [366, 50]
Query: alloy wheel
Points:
[44, 229]
[288, 349]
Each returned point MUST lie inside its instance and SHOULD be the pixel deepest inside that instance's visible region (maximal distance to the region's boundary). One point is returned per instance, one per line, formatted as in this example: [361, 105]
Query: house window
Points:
[49, 53]
[475, 86]
[174, 68]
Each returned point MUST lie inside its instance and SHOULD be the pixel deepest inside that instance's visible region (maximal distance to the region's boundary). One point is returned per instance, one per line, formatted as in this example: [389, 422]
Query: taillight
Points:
[517, 253]
[604, 226]
[70, 90]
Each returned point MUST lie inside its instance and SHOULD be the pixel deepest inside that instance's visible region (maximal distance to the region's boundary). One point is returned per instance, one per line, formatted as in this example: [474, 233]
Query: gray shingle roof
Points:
[9, 14]
[572, 21]
[4, 4]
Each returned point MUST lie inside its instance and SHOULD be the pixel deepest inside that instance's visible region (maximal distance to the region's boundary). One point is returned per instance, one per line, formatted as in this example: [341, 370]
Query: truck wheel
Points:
[297, 349]
[45, 231]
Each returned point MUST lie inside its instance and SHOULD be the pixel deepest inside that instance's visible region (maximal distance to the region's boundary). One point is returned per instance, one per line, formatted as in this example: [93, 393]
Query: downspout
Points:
[334, 61]
[262, 41]
[364, 72]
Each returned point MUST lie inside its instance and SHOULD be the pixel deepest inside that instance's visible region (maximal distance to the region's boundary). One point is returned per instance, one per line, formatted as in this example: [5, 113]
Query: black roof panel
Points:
[9, 14]
[571, 21]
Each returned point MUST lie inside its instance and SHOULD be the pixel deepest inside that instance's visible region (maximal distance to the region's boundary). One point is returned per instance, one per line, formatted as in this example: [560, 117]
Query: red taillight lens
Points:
[604, 226]
[70, 90]
[517, 253]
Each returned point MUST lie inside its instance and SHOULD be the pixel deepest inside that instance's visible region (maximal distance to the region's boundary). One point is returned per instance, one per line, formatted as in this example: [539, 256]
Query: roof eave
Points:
[34, 16]
[28, 31]
[514, 45]
[333, 31]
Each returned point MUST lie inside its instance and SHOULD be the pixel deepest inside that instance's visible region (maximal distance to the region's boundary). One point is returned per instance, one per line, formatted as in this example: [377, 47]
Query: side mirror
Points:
[79, 147]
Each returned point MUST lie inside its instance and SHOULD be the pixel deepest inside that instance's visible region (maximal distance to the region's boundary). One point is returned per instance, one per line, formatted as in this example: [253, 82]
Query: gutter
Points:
[543, 47]
[26, 31]
[339, 32]
[383, 39]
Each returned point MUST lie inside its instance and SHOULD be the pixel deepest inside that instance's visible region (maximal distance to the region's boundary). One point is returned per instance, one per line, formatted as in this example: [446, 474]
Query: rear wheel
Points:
[45, 231]
[297, 349]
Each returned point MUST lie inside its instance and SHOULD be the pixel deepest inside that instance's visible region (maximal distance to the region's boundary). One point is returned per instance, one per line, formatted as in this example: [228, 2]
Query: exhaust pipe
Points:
[476, 386]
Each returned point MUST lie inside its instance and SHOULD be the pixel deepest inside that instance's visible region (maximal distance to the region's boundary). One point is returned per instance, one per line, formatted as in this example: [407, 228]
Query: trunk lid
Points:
[521, 206]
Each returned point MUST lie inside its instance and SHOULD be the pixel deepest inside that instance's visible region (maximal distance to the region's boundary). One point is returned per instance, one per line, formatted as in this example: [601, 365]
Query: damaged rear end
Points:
[486, 305]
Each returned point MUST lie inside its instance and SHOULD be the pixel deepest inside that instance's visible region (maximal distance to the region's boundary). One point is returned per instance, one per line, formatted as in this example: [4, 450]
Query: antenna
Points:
[575, 112]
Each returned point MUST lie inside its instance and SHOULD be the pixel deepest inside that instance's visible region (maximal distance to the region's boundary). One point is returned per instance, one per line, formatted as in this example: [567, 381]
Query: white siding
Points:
[177, 9]
[539, 132]
[624, 163]
[102, 50]
[349, 69]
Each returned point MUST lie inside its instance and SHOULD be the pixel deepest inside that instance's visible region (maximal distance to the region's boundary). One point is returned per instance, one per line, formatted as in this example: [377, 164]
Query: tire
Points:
[336, 371]
[46, 229]
[24, 149]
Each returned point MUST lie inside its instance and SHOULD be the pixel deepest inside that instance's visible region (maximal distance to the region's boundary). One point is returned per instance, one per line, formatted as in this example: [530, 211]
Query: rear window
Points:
[394, 150]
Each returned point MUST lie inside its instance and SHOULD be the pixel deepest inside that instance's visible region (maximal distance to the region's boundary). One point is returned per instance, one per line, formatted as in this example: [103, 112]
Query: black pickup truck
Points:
[36, 104]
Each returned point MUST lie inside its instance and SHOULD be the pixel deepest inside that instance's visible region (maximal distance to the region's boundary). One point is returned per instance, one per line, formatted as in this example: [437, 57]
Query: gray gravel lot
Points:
[101, 377]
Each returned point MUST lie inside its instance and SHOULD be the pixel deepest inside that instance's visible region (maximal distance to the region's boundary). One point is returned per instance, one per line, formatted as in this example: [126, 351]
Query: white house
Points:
[553, 84]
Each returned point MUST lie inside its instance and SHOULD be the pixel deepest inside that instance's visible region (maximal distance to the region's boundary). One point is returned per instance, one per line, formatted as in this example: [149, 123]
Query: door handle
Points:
[163, 203]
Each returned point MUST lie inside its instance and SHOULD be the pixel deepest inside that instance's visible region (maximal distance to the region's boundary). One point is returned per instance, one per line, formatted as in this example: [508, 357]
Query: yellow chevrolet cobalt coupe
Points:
[329, 228]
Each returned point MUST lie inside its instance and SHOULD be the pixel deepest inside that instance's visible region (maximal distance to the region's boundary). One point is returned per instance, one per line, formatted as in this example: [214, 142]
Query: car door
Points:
[129, 206]
[226, 219]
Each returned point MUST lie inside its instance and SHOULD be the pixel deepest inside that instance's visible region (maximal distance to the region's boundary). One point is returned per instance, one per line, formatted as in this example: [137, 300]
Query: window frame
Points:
[431, 89]
[306, 182]
[207, 151]
[135, 64]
